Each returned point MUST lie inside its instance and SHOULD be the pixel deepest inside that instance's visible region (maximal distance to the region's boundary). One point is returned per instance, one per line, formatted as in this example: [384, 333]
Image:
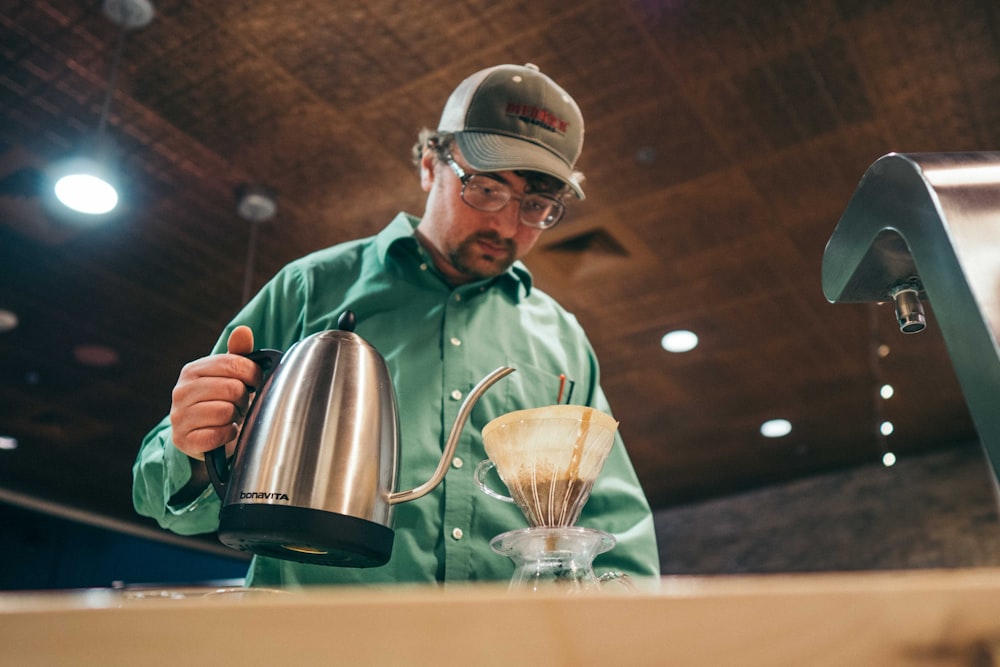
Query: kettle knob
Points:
[347, 321]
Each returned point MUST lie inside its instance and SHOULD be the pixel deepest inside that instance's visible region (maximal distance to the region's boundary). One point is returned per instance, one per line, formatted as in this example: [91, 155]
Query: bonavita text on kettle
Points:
[263, 495]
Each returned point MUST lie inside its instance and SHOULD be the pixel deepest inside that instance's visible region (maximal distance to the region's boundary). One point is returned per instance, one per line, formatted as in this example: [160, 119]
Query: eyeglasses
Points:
[484, 193]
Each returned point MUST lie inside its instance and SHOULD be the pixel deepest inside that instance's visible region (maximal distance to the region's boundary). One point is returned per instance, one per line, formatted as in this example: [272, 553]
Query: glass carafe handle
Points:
[484, 466]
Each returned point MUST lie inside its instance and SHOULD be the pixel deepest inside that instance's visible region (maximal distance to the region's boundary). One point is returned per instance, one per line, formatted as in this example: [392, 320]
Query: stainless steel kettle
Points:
[316, 462]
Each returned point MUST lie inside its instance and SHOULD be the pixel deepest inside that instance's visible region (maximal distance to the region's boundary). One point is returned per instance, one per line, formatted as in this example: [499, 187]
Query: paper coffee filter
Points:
[555, 411]
[552, 435]
[549, 458]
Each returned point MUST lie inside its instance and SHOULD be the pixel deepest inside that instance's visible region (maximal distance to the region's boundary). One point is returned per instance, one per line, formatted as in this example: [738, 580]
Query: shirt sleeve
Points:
[159, 472]
[160, 469]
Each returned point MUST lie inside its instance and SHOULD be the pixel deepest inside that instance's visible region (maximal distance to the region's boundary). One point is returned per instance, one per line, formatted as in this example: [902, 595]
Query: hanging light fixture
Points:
[87, 182]
[255, 204]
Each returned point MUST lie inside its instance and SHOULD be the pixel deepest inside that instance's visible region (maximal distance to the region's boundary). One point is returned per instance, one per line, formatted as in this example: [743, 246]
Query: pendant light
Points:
[87, 182]
[255, 204]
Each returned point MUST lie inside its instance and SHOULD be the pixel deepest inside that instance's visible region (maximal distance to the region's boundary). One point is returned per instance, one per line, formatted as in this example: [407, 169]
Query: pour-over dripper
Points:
[549, 459]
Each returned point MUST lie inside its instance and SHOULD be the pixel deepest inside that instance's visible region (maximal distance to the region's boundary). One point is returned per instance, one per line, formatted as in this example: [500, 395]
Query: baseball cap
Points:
[513, 117]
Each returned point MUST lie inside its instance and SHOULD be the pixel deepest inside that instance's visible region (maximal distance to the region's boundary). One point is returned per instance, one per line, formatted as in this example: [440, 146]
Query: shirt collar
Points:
[400, 234]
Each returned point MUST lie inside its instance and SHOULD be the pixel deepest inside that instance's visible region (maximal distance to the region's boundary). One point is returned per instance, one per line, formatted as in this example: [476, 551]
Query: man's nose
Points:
[507, 220]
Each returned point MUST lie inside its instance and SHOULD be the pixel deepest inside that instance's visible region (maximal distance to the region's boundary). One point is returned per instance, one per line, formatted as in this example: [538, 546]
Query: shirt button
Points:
[457, 533]
[457, 462]
[456, 395]
[458, 297]
[423, 267]
[455, 341]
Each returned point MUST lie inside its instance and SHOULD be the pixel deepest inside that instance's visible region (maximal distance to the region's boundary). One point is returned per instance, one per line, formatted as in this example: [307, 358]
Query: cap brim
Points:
[486, 151]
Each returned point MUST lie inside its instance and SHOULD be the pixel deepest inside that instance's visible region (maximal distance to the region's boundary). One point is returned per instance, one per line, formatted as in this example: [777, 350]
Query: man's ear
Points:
[427, 163]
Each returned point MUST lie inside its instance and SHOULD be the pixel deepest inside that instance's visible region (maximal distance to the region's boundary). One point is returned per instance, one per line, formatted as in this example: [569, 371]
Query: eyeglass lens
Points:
[487, 194]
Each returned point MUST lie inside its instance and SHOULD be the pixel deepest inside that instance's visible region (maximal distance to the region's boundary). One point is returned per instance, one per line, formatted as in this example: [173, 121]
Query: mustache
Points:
[492, 238]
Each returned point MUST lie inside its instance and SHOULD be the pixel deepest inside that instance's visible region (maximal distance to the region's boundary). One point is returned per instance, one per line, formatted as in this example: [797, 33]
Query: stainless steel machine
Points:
[927, 227]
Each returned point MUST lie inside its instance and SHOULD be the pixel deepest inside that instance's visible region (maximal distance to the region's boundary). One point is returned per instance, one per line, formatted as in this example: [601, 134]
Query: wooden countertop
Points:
[882, 618]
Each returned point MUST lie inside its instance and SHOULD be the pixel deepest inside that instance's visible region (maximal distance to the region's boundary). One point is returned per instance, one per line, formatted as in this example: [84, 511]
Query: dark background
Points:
[41, 551]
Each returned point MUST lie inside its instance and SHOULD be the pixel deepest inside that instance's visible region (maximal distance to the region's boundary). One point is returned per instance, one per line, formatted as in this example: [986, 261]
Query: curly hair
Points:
[439, 142]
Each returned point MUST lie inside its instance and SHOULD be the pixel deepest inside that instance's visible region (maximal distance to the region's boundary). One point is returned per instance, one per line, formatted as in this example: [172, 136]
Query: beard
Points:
[468, 258]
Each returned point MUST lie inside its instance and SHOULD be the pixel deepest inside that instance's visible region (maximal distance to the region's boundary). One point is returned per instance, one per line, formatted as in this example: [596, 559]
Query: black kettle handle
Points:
[215, 459]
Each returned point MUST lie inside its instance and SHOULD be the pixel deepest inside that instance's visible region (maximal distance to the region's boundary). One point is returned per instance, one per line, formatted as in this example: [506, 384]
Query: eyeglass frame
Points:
[465, 177]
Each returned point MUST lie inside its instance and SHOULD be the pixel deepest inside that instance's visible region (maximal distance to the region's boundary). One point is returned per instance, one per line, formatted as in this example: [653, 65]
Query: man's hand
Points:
[211, 397]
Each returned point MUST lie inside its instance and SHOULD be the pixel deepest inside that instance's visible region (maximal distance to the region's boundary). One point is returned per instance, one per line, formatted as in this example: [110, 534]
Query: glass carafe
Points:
[556, 559]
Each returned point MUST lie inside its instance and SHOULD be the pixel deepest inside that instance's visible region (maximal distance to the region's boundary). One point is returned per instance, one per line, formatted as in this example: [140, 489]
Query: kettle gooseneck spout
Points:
[453, 438]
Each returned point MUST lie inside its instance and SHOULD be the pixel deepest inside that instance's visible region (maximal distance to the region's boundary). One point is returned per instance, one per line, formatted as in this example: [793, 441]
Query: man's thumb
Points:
[240, 340]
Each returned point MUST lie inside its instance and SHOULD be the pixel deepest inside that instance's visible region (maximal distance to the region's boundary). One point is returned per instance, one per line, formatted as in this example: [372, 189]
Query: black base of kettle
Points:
[305, 535]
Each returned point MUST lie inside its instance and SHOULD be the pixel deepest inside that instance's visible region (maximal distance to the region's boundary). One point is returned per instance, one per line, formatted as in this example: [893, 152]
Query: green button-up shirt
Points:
[438, 342]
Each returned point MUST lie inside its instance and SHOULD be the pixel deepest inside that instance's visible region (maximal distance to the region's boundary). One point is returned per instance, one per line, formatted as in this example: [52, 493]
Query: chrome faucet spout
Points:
[909, 310]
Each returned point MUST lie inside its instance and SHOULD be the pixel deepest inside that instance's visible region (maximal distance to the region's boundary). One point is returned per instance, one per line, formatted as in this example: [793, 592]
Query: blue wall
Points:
[38, 551]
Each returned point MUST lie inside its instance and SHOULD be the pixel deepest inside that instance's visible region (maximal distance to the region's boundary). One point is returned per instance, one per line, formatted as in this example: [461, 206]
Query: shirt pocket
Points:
[527, 387]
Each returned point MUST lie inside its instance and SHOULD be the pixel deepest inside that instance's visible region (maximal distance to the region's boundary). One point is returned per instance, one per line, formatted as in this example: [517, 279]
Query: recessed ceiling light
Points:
[679, 341]
[8, 320]
[7, 442]
[886, 428]
[888, 459]
[775, 428]
[886, 391]
[95, 355]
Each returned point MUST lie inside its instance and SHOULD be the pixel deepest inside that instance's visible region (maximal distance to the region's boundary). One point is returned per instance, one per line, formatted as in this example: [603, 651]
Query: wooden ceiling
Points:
[724, 140]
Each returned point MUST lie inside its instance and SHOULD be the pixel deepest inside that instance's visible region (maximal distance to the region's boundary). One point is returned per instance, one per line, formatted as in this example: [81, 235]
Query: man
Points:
[445, 300]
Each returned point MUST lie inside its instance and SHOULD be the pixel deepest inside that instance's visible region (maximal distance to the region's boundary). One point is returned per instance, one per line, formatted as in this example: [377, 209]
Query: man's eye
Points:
[486, 187]
[535, 205]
